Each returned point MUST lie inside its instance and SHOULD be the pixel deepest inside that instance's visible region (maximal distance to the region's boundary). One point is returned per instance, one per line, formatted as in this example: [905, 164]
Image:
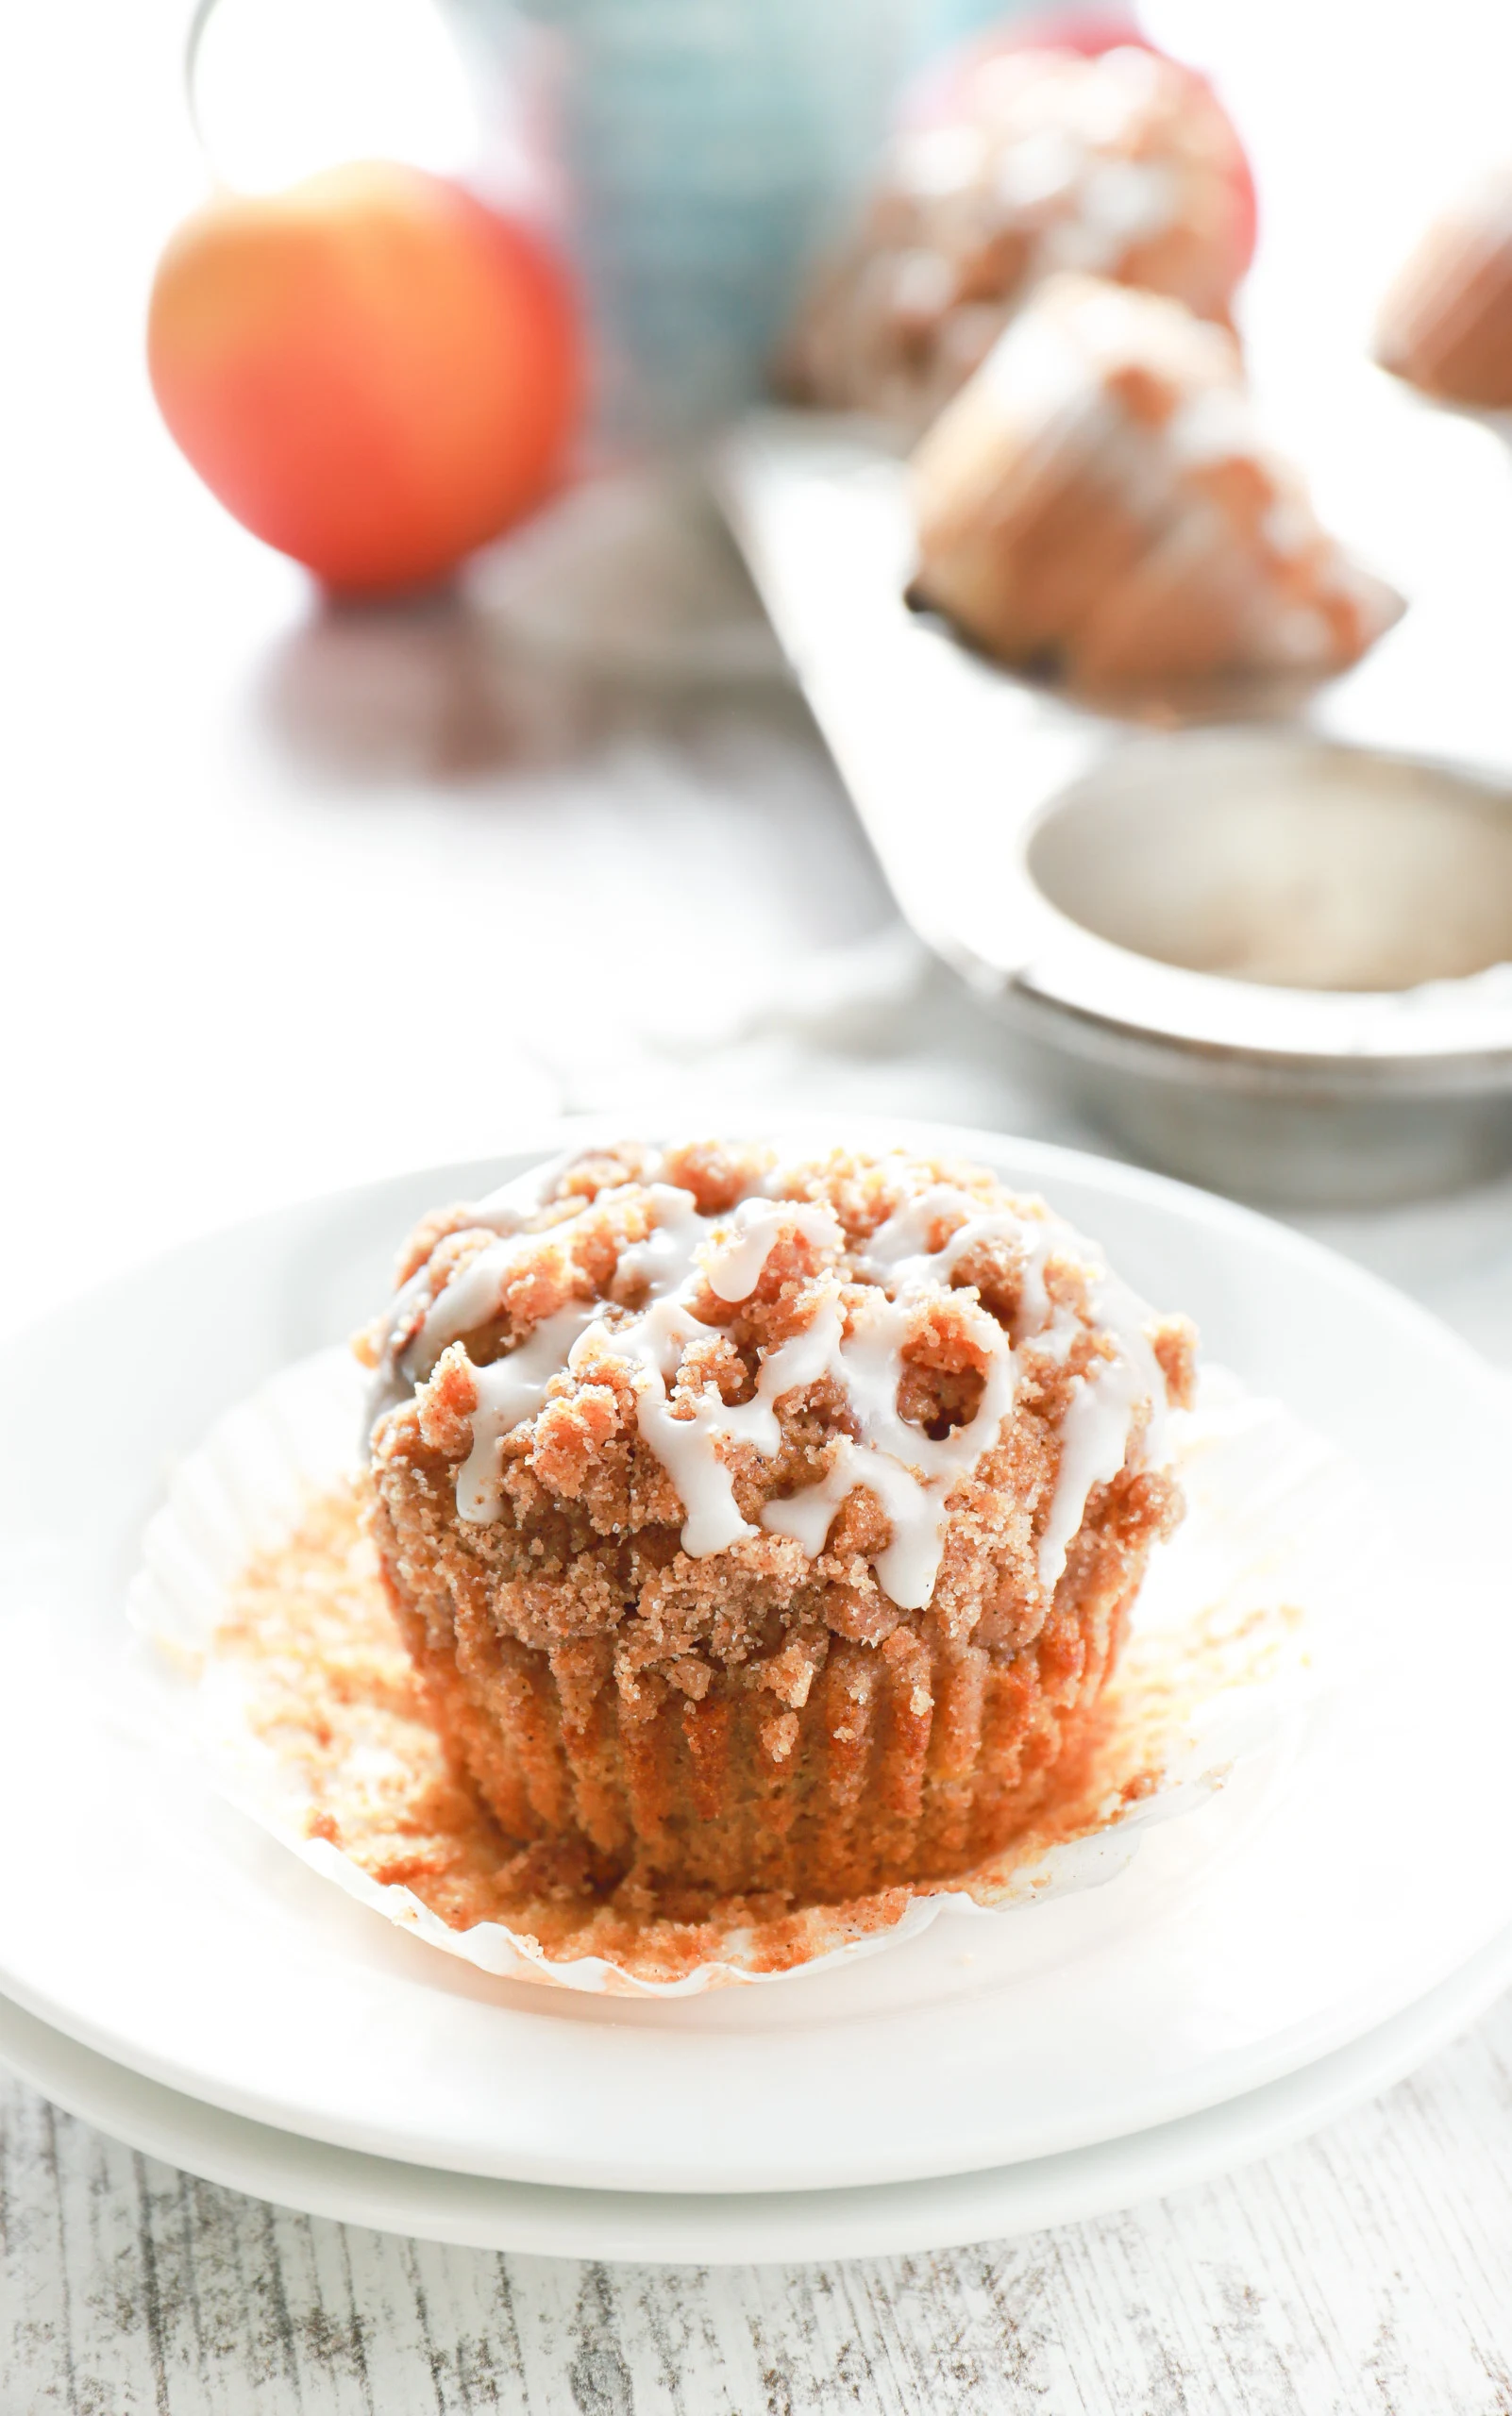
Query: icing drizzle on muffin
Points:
[862, 1310]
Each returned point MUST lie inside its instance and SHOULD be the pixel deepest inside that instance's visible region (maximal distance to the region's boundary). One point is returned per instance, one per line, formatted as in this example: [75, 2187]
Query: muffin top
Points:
[1445, 323]
[1042, 160]
[866, 1384]
[1102, 495]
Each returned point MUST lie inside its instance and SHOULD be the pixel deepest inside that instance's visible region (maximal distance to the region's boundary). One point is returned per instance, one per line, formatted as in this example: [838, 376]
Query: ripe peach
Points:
[373, 371]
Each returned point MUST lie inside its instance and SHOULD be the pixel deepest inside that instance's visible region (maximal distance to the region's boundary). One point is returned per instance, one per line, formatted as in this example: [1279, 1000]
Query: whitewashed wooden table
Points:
[237, 832]
[1368, 2270]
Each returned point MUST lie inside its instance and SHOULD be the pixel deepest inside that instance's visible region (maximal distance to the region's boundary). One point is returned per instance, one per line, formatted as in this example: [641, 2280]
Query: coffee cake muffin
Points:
[1039, 161]
[1099, 501]
[764, 1529]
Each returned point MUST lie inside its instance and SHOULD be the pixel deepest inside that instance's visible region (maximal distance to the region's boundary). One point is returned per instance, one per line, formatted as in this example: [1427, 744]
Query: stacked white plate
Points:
[173, 1972]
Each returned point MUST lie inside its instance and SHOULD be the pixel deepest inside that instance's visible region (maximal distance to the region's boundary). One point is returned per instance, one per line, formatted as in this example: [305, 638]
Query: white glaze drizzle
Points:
[510, 1389]
[408, 1356]
[468, 1301]
[1094, 1441]
[734, 1267]
[1100, 1420]
[653, 1341]
[911, 1473]
[902, 1258]
[908, 1565]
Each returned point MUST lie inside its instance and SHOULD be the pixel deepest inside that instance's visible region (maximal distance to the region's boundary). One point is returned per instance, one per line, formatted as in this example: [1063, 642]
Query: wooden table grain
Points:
[1368, 2270]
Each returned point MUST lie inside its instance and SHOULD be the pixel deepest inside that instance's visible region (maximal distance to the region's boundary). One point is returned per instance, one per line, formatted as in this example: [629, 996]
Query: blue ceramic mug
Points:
[705, 147]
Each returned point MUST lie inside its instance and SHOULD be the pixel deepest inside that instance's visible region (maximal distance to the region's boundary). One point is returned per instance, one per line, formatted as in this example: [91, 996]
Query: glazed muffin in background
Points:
[1445, 323]
[1122, 166]
[1099, 501]
[764, 1529]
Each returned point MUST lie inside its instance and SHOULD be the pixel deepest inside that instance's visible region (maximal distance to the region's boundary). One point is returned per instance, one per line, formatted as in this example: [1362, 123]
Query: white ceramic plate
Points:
[1274, 1514]
[145, 1919]
[658, 2227]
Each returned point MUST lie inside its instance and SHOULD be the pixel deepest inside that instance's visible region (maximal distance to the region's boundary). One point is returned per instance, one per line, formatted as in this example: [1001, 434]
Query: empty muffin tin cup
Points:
[1279, 965]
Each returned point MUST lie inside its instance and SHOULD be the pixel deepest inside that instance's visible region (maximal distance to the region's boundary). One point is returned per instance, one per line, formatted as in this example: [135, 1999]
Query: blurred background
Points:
[307, 886]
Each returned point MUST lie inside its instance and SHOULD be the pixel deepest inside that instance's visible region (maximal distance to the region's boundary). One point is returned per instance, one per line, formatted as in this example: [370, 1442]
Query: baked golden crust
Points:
[1446, 321]
[696, 1723]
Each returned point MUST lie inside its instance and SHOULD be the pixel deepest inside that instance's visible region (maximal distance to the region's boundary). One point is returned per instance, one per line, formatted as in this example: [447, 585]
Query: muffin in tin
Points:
[1101, 502]
[1041, 159]
[764, 1529]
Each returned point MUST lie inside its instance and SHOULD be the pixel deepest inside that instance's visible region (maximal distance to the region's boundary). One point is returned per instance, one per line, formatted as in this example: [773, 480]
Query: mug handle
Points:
[193, 42]
[464, 151]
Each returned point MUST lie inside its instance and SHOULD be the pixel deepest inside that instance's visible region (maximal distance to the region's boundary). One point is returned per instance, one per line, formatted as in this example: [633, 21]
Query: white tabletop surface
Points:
[295, 898]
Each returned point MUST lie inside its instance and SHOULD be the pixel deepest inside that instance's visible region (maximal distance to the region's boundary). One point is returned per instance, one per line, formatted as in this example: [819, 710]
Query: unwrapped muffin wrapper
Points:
[1275, 1517]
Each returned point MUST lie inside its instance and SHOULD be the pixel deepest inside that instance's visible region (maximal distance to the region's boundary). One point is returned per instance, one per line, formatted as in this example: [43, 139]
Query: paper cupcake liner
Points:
[1234, 1620]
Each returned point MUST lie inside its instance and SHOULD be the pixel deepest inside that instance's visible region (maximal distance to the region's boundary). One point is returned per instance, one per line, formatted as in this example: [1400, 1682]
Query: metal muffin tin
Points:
[1271, 954]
